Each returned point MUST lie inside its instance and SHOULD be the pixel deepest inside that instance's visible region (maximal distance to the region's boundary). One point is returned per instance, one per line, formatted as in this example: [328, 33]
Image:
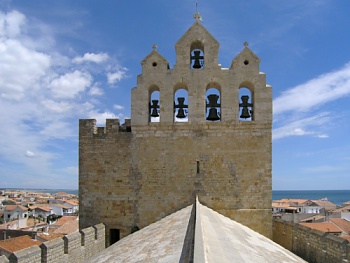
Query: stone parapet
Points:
[76, 247]
[312, 245]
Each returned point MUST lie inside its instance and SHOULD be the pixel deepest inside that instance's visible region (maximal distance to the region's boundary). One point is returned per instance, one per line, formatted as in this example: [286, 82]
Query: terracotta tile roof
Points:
[342, 209]
[326, 227]
[13, 207]
[346, 237]
[72, 202]
[342, 223]
[325, 203]
[68, 227]
[64, 219]
[313, 218]
[18, 243]
[60, 205]
[61, 193]
[49, 236]
[43, 208]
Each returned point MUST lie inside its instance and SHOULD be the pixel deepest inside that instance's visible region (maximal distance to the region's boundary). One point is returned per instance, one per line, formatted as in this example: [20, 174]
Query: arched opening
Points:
[154, 105]
[213, 104]
[197, 55]
[181, 105]
[245, 104]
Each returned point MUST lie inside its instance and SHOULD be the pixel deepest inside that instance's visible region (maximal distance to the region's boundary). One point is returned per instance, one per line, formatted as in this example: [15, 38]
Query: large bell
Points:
[196, 64]
[196, 58]
[154, 113]
[154, 108]
[245, 113]
[213, 115]
[181, 114]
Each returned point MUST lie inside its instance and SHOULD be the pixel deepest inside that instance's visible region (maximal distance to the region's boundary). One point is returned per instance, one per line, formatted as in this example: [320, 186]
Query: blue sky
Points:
[65, 60]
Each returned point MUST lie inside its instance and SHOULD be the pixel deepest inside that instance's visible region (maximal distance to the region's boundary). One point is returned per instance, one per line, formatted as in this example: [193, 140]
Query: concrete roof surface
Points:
[225, 240]
[216, 239]
[160, 242]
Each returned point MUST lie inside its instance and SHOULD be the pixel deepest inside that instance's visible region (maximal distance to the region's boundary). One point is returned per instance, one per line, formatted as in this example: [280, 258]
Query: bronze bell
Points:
[245, 113]
[196, 57]
[154, 108]
[154, 113]
[213, 115]
[181, 114]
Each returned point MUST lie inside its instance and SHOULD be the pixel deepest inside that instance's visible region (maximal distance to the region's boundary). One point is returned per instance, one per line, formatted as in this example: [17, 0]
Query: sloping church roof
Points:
[195, 234]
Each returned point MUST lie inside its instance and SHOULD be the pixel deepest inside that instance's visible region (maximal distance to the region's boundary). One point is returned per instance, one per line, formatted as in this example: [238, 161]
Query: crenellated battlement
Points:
[75, 247]
[88, 127]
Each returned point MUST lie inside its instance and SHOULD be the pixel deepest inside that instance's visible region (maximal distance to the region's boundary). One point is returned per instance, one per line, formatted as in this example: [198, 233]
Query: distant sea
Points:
[50, 191]
[337, 197]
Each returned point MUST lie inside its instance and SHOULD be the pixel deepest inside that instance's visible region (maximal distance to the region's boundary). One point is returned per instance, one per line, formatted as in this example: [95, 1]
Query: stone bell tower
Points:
[196, 130]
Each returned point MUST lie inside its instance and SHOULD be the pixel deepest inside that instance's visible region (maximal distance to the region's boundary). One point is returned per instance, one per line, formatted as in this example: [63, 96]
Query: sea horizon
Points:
[337, 197]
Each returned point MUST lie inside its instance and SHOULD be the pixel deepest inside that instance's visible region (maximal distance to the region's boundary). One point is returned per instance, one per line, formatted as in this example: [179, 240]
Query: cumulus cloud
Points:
[11, 24]
[92, 57]
[116, 76]
[43, 92]
[118, 107]
[70, 84]
[101, 117]
[56, 106]
[96, 91]
[20, 68]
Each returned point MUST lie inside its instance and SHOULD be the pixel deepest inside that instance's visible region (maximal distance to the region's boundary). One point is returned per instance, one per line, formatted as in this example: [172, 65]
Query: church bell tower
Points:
[197, 129]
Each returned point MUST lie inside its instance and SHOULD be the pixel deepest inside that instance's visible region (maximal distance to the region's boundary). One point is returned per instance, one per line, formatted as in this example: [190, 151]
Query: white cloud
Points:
[96, 91]
[30, 154]
[11, 24]
[118, 107]
[70, 84]
[323, 169]
[91, 57]
[316, 92]
[43, 92]
[101, 117]
[20, 68]
[57, 107]
[303, 126]
[116, 76]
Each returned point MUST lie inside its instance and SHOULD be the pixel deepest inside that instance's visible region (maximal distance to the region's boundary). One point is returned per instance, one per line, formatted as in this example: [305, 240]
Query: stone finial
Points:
[197, 16]
[246, 44]
[155, 47]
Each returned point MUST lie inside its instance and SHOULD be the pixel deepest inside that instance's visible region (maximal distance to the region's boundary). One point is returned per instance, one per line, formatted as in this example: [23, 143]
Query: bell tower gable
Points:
[154, 62]
[198, 46]
[246, 60]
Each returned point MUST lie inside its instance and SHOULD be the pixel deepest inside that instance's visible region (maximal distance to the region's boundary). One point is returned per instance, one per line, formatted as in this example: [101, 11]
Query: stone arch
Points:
[197, 55]
[180, 102]
[154, 103]
[213, 101]
[246, 101]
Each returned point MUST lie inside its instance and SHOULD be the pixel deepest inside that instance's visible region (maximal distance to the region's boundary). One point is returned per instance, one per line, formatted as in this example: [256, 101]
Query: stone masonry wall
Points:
[138, 178]
[311, 245]
[73, 248]
[132, 179]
